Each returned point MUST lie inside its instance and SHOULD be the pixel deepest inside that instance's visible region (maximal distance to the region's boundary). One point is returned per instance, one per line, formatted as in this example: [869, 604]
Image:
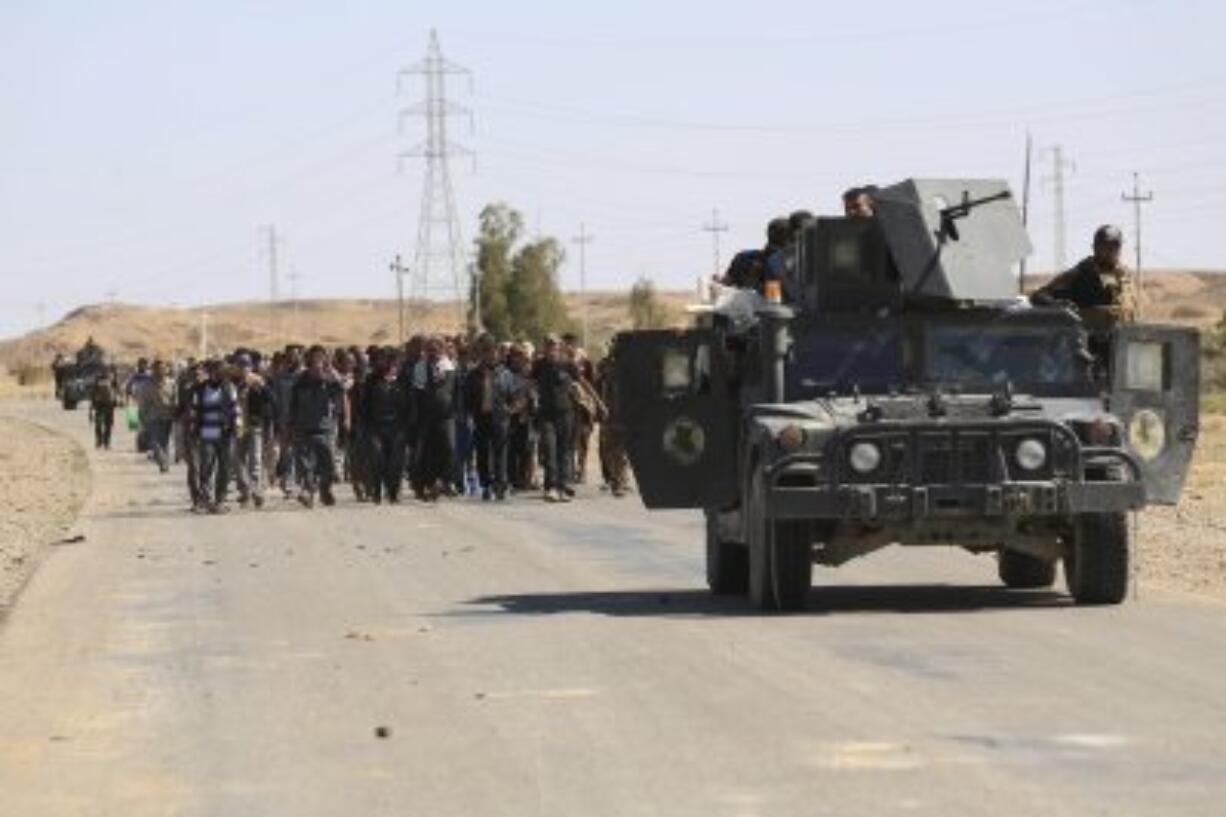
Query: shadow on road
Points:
[904, 598]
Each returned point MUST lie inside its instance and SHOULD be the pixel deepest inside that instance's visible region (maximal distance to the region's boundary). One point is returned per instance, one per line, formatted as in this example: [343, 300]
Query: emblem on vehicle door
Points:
[684, 441]
[1147, 433]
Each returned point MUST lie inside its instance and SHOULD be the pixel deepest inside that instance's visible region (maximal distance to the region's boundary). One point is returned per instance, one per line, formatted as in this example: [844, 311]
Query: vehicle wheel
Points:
[780, 557]
[1022, 571]
[727, 564]
[1096, 561]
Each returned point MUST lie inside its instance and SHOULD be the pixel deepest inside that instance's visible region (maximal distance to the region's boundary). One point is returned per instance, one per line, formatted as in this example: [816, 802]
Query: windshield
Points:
[838, 358]
[1037, 358]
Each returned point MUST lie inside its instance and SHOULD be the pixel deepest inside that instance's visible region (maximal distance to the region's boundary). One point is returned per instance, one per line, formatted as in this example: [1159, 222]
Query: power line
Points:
[438, 207]
[715, 227]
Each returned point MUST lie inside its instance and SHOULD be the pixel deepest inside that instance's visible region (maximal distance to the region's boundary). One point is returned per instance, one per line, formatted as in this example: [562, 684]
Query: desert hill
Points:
[128, 331]
[1193, 297]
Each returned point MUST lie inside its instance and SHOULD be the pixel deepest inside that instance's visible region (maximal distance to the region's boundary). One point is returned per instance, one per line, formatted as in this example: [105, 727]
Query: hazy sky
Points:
[144, 143]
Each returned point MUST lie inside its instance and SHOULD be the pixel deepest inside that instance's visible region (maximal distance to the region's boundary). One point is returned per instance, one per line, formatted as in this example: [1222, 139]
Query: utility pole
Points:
[1137, 199]
[583, 239]
[1021, 273]
[269, 235]
[294, 278]
[1060, 164]
[399, 270]
[438, 206]
[715, 227]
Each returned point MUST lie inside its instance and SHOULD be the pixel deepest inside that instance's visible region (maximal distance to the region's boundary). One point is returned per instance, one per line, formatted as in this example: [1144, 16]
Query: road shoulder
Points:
[45, 480]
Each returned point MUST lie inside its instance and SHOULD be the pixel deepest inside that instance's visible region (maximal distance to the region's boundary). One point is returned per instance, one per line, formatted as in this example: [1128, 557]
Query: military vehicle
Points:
[907, 396]
[78, 376]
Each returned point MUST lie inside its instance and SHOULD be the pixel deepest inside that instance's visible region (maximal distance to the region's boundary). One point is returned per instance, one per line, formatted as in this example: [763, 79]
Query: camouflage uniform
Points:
[1104, 297]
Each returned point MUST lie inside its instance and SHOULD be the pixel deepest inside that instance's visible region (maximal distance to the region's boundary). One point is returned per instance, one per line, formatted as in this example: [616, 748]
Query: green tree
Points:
[533, 297]
[500, 228]
[646, 310]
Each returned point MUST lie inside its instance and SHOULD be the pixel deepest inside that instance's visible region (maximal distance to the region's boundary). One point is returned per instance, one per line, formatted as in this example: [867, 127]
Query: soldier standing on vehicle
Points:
[1100, 286]
[1101, 289]
[858, 203]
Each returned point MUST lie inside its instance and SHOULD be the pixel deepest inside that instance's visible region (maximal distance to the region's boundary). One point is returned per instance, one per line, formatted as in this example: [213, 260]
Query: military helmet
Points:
[1108, 234]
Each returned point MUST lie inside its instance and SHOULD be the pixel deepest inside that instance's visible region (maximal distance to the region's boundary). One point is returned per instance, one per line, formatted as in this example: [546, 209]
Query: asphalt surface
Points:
[525, 659]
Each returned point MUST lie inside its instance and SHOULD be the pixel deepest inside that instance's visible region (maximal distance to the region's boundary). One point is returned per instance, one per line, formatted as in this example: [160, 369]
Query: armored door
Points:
[674, 406]
[1155, 380]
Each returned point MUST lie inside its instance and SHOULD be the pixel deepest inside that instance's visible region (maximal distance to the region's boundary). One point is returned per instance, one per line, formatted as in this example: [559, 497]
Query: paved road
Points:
[530, 659]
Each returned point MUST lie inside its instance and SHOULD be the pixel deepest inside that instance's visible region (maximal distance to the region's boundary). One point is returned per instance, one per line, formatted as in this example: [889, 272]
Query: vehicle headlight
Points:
[1031, 455]
[864, 457]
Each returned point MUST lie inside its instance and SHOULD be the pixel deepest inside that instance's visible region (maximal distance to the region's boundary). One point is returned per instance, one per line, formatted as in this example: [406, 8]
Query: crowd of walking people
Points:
[444, 416]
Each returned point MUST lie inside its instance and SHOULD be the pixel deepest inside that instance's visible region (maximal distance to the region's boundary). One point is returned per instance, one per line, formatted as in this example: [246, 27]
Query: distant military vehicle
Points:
[78, 376]
[907, 396]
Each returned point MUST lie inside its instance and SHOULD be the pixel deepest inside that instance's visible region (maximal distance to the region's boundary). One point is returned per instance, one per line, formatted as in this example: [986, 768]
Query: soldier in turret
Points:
[1100, 287]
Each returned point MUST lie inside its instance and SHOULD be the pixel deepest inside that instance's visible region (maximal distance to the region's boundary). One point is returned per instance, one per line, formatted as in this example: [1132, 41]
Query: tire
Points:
[727, 564]
[1021, 571]
[1096, 561]
[780, 557]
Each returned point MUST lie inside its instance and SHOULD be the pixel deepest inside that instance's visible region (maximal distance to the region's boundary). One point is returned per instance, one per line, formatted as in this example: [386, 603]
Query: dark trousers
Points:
[490, 443]
[191, 454]
[384, 462]
[214, 473]
[520, 445]
[104, 423]
[314, 462]
[159, 440]
[435, 454]
[555, 431]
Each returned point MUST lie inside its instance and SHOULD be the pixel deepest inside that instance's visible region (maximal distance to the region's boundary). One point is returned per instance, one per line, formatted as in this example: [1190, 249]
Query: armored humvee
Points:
[906, 395]
[79, 375]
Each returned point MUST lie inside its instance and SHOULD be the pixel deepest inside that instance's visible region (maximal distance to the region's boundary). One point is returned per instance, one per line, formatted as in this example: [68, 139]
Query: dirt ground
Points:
[1184, 548]
[44, 481]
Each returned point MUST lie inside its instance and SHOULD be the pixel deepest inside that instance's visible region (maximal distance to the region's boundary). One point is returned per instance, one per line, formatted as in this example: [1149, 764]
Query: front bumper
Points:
[901, 502]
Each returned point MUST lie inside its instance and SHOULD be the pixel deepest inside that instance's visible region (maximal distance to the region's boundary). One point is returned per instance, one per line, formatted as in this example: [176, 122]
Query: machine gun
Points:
[949, 215]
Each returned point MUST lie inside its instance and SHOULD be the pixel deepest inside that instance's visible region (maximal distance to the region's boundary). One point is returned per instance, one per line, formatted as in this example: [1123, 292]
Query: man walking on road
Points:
[214, 418]
[555, 418]
[314, 405]
[254, 418]
[103, 398]
[384, 404]
[156, 398]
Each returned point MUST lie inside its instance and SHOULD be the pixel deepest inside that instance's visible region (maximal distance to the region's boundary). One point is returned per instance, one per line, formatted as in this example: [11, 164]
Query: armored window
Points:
[1146, 367]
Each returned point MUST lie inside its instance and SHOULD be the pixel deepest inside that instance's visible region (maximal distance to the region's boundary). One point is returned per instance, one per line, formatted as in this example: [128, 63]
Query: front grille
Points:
[936, 458]
[966, 456]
